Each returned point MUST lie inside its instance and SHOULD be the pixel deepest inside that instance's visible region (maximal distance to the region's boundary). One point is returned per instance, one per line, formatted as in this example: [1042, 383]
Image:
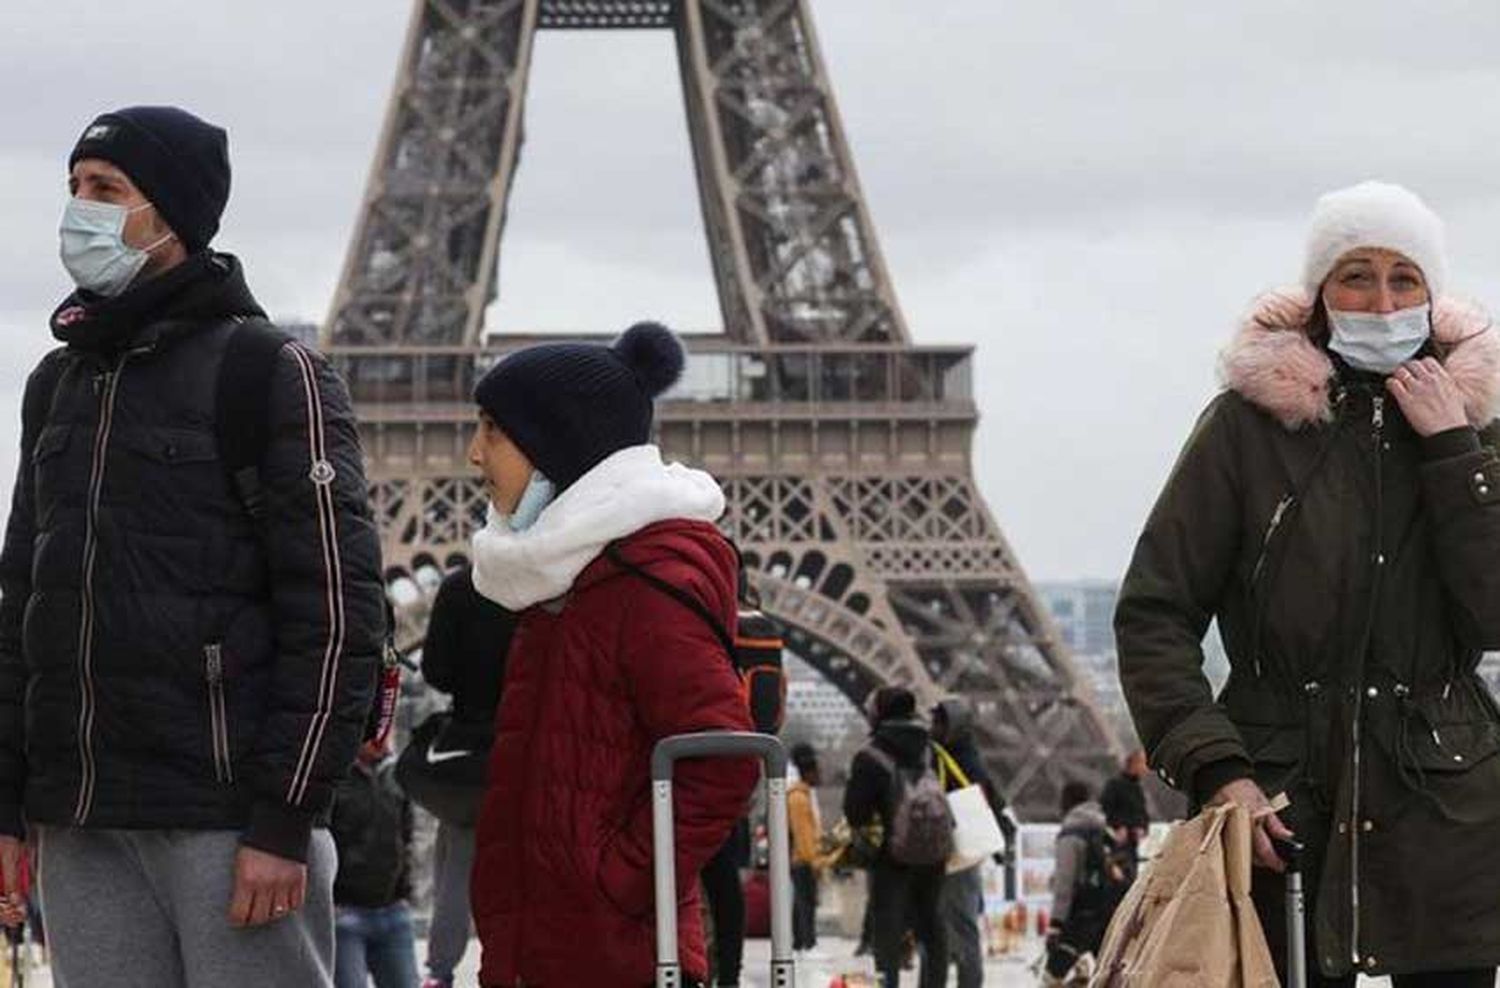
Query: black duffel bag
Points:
[442, 768]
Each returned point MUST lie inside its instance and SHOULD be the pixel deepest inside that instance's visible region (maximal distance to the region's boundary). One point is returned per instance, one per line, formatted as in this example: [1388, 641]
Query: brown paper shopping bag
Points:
[1188, 920]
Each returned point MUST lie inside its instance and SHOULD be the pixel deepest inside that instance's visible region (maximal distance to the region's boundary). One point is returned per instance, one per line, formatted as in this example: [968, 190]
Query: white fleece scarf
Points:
[622, 495]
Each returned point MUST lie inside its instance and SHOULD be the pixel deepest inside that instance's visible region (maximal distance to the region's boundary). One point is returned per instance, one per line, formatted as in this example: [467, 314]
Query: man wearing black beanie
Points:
[186, 655]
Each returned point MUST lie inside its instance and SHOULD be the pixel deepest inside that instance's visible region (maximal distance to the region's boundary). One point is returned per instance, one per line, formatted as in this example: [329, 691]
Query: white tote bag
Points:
[976, 832]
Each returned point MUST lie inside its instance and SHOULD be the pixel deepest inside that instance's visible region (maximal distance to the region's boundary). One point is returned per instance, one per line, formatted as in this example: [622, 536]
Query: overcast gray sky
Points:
[1088, 191]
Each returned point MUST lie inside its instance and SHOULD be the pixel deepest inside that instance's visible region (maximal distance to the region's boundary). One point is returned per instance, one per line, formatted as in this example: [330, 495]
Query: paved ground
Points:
[834, 956]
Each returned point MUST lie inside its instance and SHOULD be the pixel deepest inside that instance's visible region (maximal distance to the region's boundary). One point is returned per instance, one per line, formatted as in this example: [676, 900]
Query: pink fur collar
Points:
[1272, 363]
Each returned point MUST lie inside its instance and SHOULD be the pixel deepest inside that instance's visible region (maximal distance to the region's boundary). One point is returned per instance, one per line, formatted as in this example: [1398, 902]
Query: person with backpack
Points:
[463, 655]
[891, 778]
[587, 526]
[372, 829]
[958, 765]
[189, 636]
[1086, 881]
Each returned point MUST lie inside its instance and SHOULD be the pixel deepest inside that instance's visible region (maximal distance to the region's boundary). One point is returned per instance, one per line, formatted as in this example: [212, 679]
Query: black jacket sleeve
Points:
[1182, 564]
[442, 649]
[1461, 488]
[15, 591]
[327, 603]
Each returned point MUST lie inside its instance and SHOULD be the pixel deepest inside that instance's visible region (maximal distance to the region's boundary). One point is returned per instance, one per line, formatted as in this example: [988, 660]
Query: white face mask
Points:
[1379, 342]
[94, 249]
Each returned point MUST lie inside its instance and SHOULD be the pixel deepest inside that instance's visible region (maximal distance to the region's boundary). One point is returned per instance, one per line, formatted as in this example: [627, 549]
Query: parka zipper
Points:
[218, 717]
[1378, 560]
[107, 386]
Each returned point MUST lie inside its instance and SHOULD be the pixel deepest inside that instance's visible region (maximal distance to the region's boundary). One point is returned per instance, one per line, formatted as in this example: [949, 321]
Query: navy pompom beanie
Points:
[570, 406]
[179, 162]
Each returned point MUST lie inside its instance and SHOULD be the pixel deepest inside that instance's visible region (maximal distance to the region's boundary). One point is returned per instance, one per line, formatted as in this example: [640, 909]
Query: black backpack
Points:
[1104, 880]
[754, 649]
[242, 413]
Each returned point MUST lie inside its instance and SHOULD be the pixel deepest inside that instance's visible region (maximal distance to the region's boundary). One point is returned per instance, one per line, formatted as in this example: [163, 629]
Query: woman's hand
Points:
[1428, 397]
[1265, 825]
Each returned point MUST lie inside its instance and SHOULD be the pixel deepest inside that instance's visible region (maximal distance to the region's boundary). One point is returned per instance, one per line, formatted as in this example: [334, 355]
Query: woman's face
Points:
[506, 469]
[1375, 280]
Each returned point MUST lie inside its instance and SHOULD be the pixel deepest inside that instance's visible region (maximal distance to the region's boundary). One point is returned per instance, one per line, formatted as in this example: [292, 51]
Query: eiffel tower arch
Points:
[843, 446]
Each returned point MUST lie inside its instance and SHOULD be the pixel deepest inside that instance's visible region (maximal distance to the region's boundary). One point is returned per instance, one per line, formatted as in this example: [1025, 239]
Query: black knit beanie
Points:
[569, 406]
[179, 162]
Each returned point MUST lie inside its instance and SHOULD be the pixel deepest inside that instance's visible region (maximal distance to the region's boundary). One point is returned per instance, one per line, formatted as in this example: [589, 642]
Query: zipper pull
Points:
[1378, 401]
[213, 656]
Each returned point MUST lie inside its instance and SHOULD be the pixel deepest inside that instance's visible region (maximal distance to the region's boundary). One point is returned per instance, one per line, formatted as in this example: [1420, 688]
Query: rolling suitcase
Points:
[720, 744]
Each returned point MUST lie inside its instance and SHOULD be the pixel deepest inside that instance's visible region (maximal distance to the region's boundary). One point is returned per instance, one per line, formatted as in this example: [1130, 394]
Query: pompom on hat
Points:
[569, 406]
[1375, 214]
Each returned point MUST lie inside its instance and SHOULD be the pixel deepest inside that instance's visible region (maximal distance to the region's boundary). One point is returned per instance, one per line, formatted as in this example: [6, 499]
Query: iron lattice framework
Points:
[844, 448]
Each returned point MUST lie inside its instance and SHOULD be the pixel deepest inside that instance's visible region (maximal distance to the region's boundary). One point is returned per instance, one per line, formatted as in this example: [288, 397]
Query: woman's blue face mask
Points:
[539, 493]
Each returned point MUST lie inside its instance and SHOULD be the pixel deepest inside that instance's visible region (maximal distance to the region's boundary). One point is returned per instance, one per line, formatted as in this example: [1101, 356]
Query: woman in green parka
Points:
[1337, 510]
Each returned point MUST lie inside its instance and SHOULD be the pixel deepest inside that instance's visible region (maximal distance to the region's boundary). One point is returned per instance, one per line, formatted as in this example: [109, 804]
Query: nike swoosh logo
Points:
[434, 756]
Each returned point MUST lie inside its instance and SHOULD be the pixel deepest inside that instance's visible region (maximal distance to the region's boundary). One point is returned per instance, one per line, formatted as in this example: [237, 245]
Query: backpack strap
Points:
[613, 554]
[242, 406]
[948, 767]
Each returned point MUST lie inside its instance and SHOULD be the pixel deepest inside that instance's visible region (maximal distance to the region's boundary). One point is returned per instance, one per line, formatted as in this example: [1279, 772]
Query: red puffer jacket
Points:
[562, 888]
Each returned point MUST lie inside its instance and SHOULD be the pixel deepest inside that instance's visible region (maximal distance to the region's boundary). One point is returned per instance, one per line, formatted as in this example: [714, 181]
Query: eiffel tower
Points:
[843, 446]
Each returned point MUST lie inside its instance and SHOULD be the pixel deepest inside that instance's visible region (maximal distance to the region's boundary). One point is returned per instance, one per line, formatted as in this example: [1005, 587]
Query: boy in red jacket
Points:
[603, 665]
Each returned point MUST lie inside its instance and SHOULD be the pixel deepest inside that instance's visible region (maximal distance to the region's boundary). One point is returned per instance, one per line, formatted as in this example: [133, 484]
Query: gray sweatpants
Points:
[963, 904]
[448, 934]
[150, 909]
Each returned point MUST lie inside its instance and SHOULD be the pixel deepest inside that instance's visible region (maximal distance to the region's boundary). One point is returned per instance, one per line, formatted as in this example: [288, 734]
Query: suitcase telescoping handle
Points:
[1290, 852]
[720, 744]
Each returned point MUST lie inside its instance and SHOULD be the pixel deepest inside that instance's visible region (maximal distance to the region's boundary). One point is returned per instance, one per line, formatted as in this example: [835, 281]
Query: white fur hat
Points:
[1374, 214]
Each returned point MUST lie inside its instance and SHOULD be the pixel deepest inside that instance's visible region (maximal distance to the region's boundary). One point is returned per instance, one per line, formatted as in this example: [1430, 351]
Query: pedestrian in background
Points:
[605, 664]
[372, 829]
[809, 860]
[1124, 805]
[902, 896]
[1337, 510]
[463, 655]
[1085, 882]
[963, 891]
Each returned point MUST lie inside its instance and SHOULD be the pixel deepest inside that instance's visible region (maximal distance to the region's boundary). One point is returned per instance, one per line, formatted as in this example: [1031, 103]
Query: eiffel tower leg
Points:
[794, 248]
[421, 266]
[844, 447]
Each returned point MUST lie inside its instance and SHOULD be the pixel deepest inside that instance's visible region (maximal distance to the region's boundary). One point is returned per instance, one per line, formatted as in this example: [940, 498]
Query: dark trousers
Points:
[726, 902]
[804, 907]
[902, 899]
[1268, 890]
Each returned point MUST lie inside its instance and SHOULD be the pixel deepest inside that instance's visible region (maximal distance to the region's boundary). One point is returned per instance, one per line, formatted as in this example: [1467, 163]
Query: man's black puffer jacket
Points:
[162, 664]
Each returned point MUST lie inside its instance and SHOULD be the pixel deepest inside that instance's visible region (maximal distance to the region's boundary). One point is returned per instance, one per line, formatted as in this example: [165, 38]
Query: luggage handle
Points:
[1290, 852]
[720, 744]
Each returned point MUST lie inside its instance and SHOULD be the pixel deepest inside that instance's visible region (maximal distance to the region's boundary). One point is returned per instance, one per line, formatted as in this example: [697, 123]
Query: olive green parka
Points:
[1354, 570]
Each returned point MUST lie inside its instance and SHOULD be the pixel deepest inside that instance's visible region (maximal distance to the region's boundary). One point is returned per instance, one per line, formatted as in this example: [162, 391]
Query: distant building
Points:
[817, 711]
[1084, 612]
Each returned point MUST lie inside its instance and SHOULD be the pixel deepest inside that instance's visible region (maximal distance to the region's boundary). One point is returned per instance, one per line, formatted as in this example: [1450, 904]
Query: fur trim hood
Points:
[1275, 365]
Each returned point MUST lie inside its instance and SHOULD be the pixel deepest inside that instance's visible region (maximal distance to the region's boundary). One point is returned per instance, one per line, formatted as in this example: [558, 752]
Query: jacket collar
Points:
[1273, 363]
[205, 287]
[629, 491]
